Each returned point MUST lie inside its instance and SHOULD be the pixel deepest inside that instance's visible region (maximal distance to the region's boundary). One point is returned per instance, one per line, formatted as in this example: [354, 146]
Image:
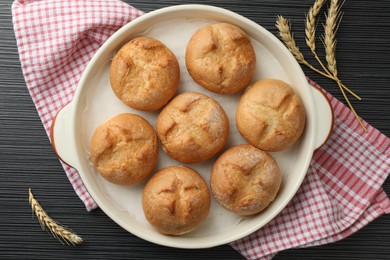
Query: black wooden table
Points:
[27, 159]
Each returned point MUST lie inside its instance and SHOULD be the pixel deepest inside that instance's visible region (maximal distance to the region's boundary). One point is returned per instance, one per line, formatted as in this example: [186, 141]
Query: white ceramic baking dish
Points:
[94, 102]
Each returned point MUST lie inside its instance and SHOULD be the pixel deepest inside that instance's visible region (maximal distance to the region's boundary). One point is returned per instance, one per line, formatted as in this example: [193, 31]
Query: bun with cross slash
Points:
[192, 127]
[176, 200]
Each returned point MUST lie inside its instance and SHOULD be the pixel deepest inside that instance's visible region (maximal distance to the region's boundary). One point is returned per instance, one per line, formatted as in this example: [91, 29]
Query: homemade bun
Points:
[270, 115]
[192, 127]
[124, 149]
[245, 180]
[221, 58]
[144, 74]
[176, 200]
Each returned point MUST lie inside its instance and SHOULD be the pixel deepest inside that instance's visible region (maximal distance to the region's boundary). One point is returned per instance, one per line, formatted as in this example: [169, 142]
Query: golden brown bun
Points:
[245, 180]
[192, 127]
[124, 149]
[221, 58]
[176, 200]
[144, 74]
[270, 115]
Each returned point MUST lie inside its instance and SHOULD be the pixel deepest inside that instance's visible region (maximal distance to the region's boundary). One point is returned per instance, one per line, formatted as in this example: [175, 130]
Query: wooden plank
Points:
[27, 160]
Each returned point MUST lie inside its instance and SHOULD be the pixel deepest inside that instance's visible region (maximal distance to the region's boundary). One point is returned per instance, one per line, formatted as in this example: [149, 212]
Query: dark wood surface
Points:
[27, 159]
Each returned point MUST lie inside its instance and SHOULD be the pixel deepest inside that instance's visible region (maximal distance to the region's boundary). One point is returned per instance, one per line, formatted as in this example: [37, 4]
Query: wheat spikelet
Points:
[333, 18]
[310, 30]
[311, 25]
[46, 222]
[287, 37]
[329, 37]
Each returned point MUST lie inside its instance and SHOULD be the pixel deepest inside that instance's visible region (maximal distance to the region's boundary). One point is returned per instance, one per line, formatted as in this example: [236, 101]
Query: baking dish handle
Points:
[324, 117]
[62, 139]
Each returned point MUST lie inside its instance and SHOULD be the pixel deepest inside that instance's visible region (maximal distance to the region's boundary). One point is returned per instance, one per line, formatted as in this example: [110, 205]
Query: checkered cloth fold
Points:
[341, 193]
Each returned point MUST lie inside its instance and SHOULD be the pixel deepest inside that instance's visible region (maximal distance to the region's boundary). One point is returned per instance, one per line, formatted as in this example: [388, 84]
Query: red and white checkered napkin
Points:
[341, 193]
[56, 40]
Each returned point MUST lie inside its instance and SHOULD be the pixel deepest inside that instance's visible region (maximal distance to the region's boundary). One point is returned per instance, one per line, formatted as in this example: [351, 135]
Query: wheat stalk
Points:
[310, 32]
[46, 222]
[333, 18]
[287, 37]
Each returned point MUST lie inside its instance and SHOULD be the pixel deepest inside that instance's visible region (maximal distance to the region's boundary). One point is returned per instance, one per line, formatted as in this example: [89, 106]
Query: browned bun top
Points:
[144, 74]
[176, 200]
[221, 58]
[192, 127]
[270, 115]
[245, 180]
[124, 149]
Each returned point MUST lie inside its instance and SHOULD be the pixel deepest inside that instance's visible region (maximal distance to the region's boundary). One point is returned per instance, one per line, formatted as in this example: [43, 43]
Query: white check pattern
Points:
[341, 193]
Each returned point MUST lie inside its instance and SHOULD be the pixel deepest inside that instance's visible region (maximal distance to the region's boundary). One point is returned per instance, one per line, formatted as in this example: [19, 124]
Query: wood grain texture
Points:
[27, 159]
